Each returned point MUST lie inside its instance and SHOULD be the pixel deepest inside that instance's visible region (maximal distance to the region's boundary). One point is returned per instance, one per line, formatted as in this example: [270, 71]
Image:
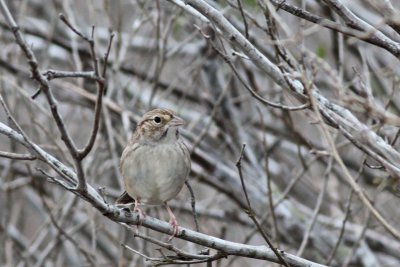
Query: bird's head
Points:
[159, 125]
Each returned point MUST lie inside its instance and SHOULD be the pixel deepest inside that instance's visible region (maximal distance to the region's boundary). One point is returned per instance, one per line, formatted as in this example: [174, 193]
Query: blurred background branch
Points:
[238, 72]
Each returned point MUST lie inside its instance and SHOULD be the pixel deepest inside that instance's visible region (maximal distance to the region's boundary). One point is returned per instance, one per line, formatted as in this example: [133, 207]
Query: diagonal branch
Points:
[356, 27]
[346, 172]
[335, 114]
[118, 215]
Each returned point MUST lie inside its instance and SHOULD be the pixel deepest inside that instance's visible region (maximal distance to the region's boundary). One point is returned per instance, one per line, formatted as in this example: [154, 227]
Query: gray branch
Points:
[119, 215]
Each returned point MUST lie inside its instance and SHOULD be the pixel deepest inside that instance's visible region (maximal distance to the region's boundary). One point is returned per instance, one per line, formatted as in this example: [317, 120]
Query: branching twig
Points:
[355, 30]
[100, 83]
[337, 115]
[347, 174]
[46, 89]
[243, 82]
[168, 246]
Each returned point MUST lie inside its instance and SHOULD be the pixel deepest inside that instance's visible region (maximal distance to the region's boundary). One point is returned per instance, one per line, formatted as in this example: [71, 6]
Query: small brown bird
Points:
[156, 163]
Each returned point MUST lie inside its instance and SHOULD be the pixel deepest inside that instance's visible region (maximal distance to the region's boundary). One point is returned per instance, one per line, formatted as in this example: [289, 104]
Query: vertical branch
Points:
[193, 204]
[269, 180]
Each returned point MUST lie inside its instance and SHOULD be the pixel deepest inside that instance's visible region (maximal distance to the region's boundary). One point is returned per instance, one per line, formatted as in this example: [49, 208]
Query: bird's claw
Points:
[142, 216]
[175, 228]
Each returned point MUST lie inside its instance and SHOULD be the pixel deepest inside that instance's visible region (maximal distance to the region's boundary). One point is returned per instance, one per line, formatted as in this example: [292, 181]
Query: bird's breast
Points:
[155, 173]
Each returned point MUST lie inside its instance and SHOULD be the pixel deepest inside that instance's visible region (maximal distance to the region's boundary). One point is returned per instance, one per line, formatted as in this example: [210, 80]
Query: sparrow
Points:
[155, 164]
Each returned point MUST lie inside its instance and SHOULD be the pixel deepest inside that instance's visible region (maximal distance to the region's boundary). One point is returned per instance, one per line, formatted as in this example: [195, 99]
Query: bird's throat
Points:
[170, 135]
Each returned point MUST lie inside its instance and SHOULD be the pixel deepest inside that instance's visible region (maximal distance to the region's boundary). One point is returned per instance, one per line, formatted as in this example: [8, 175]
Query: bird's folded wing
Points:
[124, 199]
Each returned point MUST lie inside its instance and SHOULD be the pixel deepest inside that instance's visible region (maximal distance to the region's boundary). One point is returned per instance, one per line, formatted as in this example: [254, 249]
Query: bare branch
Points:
[100, 84]
[115, 214]
[58, 74]
[99, 102]
[16, 156]
[45, 87]
[251, 212]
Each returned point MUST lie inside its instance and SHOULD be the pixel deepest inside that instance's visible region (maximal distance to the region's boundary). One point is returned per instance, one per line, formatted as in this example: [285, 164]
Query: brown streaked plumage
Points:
[156, 163]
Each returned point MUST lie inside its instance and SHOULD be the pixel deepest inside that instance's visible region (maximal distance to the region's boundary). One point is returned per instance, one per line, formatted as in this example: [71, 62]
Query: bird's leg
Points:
[172, 221]
[139, 210]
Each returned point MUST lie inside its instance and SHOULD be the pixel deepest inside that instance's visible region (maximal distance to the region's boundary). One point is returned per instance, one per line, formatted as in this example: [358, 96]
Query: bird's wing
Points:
[124, 199]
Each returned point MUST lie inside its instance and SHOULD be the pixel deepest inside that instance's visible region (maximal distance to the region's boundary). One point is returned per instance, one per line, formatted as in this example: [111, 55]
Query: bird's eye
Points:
[157, 119]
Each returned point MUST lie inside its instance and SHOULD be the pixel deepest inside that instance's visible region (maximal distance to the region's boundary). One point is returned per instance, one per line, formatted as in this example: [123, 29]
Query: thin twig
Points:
[346, 172]
[193, 204]
[246, 27]
[359, 239]
[342, 229]
[105, 59]
[89, 256]
[250, 211]
[57, 74]
[244, 83]
[216, 106]
[183, 258]
[72, 28]
[168, 246]
[141, 254]
[269, 180]
[17, 156]
[46, 89]
[100, 84]
[317, 209]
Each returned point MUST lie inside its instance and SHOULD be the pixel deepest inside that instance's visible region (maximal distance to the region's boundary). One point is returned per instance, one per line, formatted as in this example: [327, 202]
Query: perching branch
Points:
[218, 94]
[93, 197]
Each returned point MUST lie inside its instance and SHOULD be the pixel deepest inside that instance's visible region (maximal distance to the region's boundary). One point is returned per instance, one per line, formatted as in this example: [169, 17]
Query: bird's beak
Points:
[176, 121]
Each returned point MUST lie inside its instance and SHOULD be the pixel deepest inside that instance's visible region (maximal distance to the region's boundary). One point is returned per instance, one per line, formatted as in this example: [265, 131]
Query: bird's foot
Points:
[142, 215]
[173, 222]
[175, 228]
